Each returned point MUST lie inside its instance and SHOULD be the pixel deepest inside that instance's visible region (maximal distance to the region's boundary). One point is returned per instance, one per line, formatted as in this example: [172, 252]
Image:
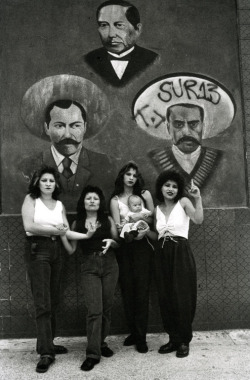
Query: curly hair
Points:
[169, 175]
[80, 209]
[119, 182]
[34, 189]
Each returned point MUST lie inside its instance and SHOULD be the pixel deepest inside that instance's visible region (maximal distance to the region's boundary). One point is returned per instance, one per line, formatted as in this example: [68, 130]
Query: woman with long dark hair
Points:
[99, 270]
[134, 258]
[175, 264]
[45, 223]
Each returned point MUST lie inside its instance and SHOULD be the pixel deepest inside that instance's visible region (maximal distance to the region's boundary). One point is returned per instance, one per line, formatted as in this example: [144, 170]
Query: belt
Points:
[172, 238]
[42, 238]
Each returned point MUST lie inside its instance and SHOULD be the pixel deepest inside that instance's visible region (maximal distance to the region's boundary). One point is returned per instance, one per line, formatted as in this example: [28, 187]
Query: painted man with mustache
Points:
[185, 124]
[65, 125]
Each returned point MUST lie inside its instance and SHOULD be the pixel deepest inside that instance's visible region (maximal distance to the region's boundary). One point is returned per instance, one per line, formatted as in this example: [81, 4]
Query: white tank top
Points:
[43, 215]
[123, 210]
[177, 224]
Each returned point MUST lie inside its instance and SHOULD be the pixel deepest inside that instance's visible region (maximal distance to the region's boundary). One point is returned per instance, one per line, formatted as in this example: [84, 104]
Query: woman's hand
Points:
[142, 233]
[194, 191]
[91, 230]
[108, 243]
[62, 228]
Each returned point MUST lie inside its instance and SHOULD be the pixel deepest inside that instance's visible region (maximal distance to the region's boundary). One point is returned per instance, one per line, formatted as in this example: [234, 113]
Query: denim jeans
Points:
[99, 279]
[44, 269]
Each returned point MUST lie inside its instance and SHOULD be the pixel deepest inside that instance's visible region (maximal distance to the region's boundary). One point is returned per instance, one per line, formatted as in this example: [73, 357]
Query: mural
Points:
[67, 110]
[180, 78]
[185, 110]
[120, 59]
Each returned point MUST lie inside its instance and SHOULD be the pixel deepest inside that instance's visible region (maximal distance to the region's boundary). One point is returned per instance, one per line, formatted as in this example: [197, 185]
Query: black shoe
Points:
[44, 363]
[129, 341]
[167, 348]
[142, 347]
[89, 364]
[106, 352]
[183, 350]
[60, 349]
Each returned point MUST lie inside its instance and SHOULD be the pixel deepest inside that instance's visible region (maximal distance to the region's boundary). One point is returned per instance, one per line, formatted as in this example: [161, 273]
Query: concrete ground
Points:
[217, 355]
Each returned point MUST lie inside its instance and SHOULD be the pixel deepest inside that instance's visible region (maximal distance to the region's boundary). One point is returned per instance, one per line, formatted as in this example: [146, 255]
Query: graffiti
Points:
[192, 89]
[150, 106]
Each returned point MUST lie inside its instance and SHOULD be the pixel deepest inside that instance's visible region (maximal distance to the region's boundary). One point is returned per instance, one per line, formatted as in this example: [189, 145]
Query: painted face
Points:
[130, 177]
[47, 183]
[135, 205]
[116, 32]
[169, 190]
[66, 129]
[91, 202]
[185, 127]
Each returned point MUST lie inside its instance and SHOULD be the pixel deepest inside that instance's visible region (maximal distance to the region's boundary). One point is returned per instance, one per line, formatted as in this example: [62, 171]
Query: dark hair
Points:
[132, 13]
[65, 104]
[169, 175]
[34, 189]
[119, 182]
[186, 105]
[81, 211]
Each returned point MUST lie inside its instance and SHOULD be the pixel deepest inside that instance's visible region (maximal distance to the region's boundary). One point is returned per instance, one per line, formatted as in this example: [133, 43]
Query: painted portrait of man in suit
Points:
[65, 125]
[120, 59]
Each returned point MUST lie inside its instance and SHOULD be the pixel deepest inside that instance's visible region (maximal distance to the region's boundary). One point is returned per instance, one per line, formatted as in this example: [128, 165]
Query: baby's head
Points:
[135, 203]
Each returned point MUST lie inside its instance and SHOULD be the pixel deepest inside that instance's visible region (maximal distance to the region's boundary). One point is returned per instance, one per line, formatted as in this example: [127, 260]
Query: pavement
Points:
[214, 355]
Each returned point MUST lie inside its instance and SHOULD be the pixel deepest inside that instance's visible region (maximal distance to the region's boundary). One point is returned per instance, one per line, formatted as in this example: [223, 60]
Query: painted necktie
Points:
[67, 172]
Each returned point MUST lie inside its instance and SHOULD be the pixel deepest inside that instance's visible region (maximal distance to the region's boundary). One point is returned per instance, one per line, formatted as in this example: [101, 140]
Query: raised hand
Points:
[194, 191]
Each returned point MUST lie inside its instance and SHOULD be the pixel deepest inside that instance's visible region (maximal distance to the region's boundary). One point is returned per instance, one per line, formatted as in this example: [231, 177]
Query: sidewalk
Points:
[217, 355]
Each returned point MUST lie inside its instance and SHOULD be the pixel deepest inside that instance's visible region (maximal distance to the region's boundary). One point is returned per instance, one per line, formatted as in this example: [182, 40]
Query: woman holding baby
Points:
[135, 257]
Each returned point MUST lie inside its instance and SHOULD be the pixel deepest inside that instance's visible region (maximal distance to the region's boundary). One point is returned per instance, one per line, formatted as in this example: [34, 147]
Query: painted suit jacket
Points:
[100, 62]
[164, 159]
[92, 169]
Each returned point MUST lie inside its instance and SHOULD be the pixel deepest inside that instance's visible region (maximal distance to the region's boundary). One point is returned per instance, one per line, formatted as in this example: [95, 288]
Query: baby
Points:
[131, 229]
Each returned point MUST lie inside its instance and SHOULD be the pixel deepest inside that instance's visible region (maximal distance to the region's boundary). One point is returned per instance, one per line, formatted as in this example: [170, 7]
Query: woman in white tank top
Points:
[175, 264]
[45, 222]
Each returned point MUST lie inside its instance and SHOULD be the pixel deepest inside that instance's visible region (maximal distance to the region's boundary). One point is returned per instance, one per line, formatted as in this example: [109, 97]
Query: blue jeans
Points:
[99, 279]
[44, 269]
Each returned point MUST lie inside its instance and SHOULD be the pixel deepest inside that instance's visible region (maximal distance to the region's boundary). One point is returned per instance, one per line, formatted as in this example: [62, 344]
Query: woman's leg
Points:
[109, 281]
[39, 268]
[176, 282]
[142, 269]
[126, 280]
[92, 288]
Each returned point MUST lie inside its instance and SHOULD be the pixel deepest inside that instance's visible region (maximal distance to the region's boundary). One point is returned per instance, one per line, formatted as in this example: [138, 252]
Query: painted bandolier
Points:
[164, 159]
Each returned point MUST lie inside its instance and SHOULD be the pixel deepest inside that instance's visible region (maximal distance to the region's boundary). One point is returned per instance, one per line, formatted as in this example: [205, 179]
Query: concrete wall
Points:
[221, 247]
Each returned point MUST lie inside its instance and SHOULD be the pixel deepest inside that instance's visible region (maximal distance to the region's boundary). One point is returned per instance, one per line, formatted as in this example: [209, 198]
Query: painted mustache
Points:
[186, 139]
[68, 142]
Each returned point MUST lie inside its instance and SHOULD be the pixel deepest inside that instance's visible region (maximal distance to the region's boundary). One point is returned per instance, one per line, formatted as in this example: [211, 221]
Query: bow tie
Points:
[124, 58]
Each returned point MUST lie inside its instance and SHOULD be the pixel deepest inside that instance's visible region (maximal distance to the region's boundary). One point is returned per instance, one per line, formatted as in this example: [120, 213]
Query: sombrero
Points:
[151, 103]
[38, 97]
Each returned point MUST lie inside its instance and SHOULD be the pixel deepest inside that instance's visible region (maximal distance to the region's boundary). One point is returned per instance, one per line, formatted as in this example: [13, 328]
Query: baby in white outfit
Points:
[131, 229]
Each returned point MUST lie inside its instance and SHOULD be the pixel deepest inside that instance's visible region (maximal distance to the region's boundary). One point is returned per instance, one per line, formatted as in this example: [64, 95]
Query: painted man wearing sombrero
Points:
[186, 155]
[60, 103]
[185, 110]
